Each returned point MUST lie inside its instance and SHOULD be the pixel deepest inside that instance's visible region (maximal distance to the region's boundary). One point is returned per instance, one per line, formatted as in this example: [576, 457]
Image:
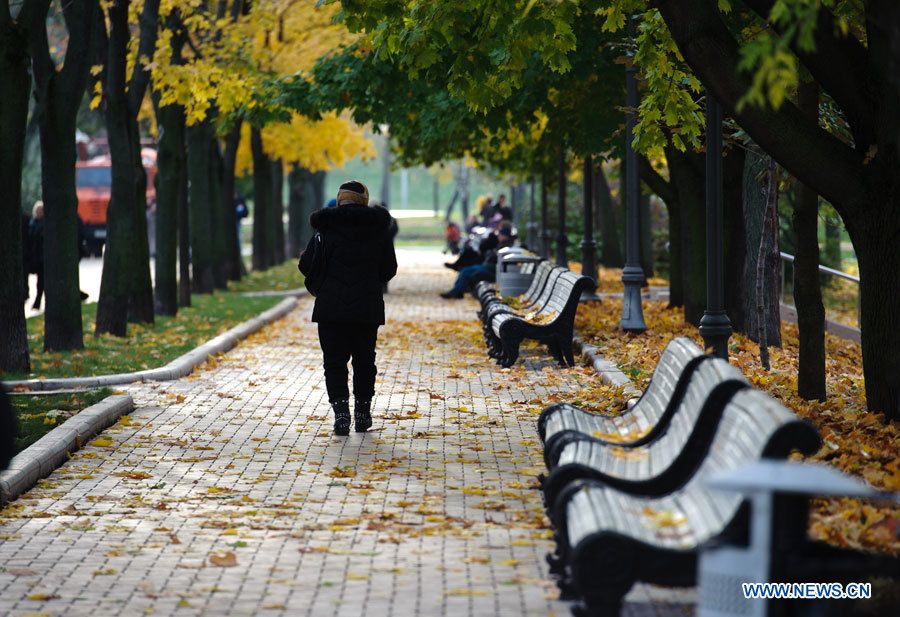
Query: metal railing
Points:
[787, 258]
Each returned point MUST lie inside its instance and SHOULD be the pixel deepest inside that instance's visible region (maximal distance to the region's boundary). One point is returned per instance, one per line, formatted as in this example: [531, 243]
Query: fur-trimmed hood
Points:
[351, 220]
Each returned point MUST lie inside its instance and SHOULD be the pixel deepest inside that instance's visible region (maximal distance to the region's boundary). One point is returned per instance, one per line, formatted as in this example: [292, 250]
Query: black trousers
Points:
[340, 342]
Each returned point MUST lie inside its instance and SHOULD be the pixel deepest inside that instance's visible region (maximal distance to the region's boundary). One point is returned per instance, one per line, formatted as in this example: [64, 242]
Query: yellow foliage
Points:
[229, 60]
[317, 145]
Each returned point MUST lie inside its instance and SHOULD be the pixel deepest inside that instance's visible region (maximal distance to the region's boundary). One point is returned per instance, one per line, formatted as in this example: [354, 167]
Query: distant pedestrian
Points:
[240, 213]
[26, 256]
[151, 228]
[502, 209]
[350, 257]
[36, 250]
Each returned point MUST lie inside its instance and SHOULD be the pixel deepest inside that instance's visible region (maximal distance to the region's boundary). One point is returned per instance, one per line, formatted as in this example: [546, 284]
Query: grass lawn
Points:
[38, 414]
[151, 346]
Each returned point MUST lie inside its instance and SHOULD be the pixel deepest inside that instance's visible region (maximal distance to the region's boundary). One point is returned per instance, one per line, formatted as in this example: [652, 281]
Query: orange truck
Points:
[93, 186]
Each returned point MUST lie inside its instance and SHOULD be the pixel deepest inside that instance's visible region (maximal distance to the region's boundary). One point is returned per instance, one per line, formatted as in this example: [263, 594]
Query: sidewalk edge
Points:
[42, 457]
[610, 374]
[177, 368]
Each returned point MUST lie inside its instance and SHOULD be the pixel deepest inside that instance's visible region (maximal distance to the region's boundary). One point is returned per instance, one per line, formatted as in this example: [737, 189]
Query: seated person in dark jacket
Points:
[471, 255]
[502, 209]
[502, 237]
[359, 261]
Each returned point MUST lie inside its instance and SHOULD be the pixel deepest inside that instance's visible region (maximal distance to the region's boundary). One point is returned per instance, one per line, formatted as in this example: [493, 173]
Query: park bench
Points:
[609, 539]
[563, 422]
[532, 301]
[551, 322]
[487, 293]
[667, 456]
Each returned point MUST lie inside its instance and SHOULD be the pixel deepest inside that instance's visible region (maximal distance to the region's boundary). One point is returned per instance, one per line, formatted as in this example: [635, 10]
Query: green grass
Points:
[278, 278]
[151, 346]
[36, 415]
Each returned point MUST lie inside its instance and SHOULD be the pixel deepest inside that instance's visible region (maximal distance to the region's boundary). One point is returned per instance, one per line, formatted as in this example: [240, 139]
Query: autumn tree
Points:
[14, 60]
[126, 291]
[59, 86]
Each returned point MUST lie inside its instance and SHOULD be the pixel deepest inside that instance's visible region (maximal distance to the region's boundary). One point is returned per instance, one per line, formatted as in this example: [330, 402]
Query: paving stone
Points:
[433, 512]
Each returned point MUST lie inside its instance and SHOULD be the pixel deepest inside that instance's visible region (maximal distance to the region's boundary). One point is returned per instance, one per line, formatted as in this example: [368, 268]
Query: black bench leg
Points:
[556, 351]
[510, 352]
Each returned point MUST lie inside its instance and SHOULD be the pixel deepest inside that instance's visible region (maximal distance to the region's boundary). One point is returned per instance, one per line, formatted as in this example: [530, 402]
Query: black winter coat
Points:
[359, 260]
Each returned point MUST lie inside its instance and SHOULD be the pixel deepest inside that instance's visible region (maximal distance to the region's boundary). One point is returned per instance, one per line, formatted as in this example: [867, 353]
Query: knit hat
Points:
[353, 192]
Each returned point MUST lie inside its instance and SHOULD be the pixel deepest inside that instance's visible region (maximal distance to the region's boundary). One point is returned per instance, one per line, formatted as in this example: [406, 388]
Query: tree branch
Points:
[80, 20]
[140, 77]
[42, 63]
[5, 15]
[656, 182]
[841, 66]
[808, 152]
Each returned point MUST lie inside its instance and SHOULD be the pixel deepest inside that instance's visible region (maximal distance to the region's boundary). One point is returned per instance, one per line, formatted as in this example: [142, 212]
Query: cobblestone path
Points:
[227, 494]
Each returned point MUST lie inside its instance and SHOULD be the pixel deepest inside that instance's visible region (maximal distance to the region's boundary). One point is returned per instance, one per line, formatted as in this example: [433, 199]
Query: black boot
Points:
[341, 417]
[362, 410]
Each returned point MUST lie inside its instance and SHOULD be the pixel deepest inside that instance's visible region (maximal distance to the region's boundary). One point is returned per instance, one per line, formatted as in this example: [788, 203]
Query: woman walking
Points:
[357, 257]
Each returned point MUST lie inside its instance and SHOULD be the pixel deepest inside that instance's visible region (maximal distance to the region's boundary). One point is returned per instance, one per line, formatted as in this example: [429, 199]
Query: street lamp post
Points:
[588, 246]
[562, 241]
[715, 327]
[545, 231]
[531, 234]
[632, 274]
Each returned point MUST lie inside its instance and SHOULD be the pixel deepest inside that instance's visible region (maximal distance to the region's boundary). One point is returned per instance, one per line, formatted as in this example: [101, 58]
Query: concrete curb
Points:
[610, 374]
[50, 451]
[177, 368]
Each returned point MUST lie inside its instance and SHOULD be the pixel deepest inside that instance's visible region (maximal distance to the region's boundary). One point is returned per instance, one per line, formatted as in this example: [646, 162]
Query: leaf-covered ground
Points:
[856, 441]
[227, 493]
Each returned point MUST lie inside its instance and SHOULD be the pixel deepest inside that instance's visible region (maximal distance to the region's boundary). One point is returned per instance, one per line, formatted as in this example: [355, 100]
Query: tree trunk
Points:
[878, 253]
[13, 121]
[755, 194]
[127, 254]
[232, 242]
[217, 215]
[667, 191]
[318, 191]
[807, 291]
[769, 237]
[184, 237]
[686, 170]
[170, 161]
[262, 202]
[610, 249]
[57, 93]
[735, 237]
[198, 139]
[277, 212]
[645, 221]
[299, 196]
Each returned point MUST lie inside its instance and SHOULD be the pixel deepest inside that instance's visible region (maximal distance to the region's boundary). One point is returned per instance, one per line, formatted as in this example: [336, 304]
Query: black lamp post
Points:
[545, 231]
[562, 241]
[715, 327]
[632, 274]
[531, 234]
[588, 246]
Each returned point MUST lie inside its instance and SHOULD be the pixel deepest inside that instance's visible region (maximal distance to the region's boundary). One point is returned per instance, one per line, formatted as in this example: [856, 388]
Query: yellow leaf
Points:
[225, 559]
